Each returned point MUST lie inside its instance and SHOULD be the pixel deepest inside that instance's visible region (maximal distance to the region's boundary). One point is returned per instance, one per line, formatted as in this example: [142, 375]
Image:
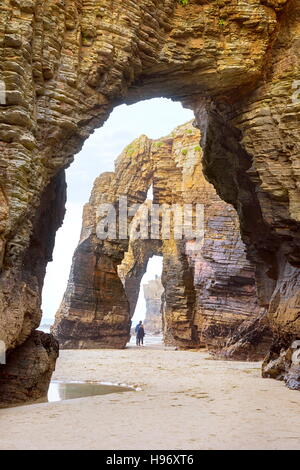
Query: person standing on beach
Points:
[140, 335]
[137, 332]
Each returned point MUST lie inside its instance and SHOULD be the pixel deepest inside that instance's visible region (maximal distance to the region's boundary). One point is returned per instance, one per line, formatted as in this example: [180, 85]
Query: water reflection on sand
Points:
[68, 390]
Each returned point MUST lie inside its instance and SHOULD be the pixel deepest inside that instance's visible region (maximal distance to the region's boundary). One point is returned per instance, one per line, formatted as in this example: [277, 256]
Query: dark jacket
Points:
[141, 332]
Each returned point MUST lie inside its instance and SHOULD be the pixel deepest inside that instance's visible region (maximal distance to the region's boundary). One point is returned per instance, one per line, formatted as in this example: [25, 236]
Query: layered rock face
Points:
[153, 291]
[283, 362]
[209, 284]
[259, 138]
[65, 65]
[31, 354]
[28, 371]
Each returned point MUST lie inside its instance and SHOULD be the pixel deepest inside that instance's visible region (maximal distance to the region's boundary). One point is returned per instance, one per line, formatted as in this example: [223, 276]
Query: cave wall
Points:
[31, 355]
[65, 65]
[259, 138]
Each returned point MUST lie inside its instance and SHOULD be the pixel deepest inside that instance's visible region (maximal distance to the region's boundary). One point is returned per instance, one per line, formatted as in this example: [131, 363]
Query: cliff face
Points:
[153, 291]
[65, 65]
[209, 284]
[31, 355]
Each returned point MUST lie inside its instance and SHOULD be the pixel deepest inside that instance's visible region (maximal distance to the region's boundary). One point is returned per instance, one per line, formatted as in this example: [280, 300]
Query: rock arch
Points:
[209, 286]
[66, 64]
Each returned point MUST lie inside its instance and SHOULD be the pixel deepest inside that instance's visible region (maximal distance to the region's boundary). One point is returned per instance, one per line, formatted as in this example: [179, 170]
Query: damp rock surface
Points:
[28, 371]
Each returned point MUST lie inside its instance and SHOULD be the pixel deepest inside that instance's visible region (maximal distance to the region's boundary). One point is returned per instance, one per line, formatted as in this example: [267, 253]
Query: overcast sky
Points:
[155, 118]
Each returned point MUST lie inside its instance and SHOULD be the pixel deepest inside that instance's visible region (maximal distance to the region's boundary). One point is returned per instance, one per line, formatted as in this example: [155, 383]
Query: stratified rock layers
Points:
[65, 65]
[283, 362]
[28, 371]
[153, 291]
[31, 354]
[209, 284]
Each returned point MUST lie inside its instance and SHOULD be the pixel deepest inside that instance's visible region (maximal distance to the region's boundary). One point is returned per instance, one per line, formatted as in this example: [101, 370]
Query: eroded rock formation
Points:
[31, 354]
[283, 362]
[66, 64]
[28, 371]
[209, 284]
[153, 291]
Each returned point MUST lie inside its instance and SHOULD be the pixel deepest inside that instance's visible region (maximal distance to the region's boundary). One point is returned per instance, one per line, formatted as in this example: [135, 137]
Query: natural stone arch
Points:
[134, 266]
[67, 64]
[209, 288]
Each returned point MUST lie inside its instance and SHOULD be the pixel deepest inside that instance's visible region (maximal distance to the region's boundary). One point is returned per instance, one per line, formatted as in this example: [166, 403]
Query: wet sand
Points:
[187, 401]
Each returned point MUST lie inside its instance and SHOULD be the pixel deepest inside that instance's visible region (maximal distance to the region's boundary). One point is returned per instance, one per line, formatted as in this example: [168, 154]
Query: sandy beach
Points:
[186, 401]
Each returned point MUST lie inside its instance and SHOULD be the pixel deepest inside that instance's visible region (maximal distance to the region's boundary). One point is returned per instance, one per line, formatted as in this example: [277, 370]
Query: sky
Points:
[154, 118]
[154, 267]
